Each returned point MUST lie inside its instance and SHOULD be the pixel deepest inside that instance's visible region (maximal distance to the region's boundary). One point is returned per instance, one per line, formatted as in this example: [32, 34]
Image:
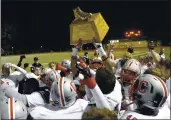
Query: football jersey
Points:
[54, 112]
[35, 99]
[168, 84]
[113, 101]
[13, 79]
[164, 113]
[144, 68]
[118, 68]
[127, 98]
[162, 56]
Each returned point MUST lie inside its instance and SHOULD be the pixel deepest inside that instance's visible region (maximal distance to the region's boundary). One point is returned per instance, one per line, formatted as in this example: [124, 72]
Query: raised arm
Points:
[19, 68]
[90, 82]
[74, 57]
[156, 56]
[106, 60]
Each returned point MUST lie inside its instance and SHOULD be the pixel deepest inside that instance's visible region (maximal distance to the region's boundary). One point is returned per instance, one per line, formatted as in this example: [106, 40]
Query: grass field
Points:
[45, 58]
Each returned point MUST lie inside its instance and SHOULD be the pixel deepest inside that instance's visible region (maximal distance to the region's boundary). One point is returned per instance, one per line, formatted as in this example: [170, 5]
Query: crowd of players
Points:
[104, 87]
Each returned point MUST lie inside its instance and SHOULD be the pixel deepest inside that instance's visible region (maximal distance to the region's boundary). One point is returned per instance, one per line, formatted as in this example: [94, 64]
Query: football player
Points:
[31, 96]
[129, 74]
[64, 93]
[12, 109]
[150, 94]
[12, 78]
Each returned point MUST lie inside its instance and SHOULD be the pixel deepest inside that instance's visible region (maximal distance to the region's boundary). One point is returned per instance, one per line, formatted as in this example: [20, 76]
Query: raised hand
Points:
[79, 44]
[22, 57]
[83, 69]
[96, 44]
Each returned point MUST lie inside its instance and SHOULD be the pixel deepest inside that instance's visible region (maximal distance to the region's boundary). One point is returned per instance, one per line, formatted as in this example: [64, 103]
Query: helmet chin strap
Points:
[147, 110]
[129, 104]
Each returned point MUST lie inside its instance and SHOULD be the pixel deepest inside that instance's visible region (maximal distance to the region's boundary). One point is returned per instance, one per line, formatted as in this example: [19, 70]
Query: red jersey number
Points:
[131, 118]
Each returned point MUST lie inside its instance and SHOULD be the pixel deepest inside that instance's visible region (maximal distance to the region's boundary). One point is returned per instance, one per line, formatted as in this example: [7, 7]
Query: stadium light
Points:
[12, 49]
[41, 46]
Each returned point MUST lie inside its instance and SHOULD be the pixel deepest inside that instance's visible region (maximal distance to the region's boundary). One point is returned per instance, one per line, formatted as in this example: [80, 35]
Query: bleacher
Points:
[124, 43]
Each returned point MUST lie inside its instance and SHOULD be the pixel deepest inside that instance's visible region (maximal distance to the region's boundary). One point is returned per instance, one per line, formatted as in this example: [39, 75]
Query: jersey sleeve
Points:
[99, 98]
[35, 99]
[18, 76]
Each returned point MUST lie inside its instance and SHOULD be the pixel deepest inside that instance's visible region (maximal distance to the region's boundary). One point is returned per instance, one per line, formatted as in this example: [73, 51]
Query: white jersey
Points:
[164, 113]
[31, 75]
[144, 68]
[168, 102]
[13, 79]
[112, 96]
[113, 101]
[35, 99]
[54, 112]
[118, 68]
[168, 84]
[162, 56]
[127, 98]
[168, 88]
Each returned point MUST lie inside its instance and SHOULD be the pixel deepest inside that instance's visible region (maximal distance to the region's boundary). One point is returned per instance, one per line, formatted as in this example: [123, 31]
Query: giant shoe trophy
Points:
[87, 27]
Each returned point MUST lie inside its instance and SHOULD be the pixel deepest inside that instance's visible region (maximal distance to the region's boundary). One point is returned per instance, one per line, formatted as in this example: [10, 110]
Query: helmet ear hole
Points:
[152, 88]
[152, 91]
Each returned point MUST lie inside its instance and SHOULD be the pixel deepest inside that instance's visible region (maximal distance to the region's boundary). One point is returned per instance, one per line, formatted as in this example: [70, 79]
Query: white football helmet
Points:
[50, 77]
[63, 92]
[13, 109]
[66, 64]
[150, 91]
[130, 71]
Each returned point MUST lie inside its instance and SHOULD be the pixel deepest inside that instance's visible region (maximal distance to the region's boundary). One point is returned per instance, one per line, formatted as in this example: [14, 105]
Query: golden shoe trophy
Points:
[87, 27]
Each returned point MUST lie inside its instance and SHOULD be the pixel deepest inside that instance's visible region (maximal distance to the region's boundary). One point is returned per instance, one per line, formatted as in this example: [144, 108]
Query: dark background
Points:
[46, 24]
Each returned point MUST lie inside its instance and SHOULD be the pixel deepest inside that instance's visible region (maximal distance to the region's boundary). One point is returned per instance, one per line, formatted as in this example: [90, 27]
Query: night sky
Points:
[47, 23]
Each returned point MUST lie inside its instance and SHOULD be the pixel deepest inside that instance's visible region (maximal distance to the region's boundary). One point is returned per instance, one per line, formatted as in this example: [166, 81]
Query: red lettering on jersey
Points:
[129, 117]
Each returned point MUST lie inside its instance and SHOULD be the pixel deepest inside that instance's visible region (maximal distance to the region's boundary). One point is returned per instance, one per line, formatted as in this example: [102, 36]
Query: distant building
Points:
[124, 43]
[133, 38]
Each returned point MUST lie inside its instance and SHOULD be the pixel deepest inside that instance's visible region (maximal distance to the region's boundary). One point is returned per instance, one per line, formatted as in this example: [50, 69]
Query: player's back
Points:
[53, 112]
[118, 67]
[9, 81]
[164, 113]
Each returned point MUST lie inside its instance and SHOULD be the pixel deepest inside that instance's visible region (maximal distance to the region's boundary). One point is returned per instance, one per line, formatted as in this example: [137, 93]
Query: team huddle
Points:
[81, 88]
